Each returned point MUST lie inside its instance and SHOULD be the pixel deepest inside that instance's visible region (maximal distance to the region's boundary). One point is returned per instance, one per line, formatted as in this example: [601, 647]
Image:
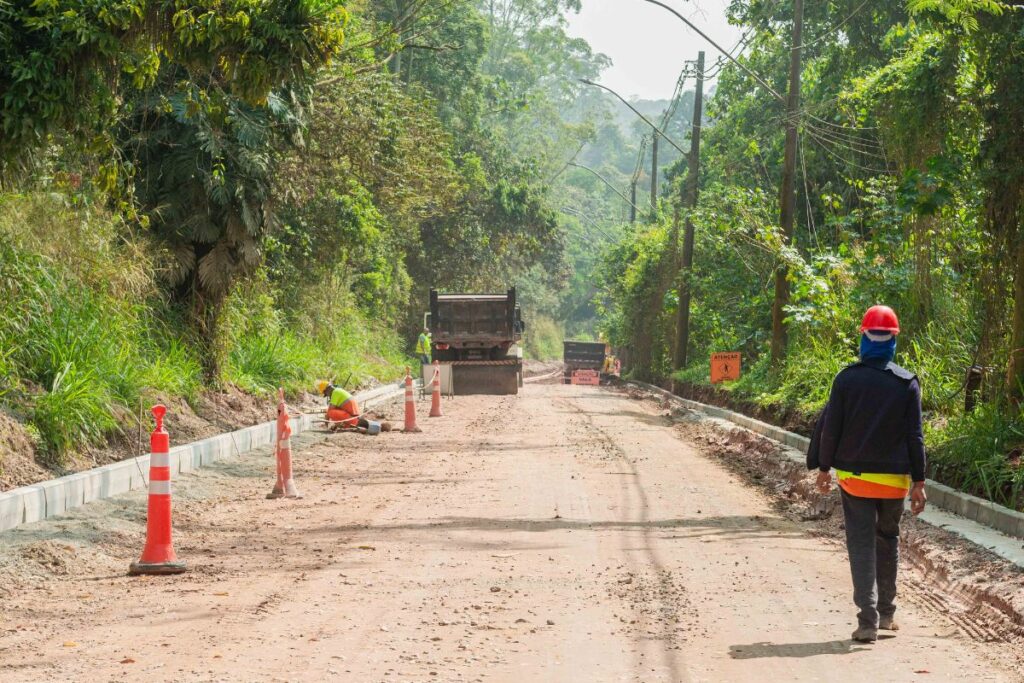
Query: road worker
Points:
[423, 346]
[609, 364]
[871, 435]
[343, 411]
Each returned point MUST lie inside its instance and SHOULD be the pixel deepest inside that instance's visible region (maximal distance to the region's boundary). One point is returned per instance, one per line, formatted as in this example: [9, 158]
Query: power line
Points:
[764, 84]
[640, 159]
[835, 28]
[824, 146]
[807, 197]
[634, 110]
[603, 180]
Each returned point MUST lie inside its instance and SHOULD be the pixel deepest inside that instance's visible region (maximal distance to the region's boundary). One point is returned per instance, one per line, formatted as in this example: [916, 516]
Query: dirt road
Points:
[566, 534]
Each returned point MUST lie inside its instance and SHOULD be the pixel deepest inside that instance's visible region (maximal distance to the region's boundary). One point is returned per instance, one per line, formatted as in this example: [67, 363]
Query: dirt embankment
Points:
[981, 592]
[535, 368]
[788, 418]
[214, 412]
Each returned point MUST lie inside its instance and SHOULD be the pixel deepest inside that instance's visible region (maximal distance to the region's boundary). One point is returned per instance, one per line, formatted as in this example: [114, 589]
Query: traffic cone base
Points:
[156, 568]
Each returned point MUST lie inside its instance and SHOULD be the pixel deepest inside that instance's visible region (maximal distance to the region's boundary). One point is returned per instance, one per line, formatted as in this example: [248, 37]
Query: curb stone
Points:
[44, 499]
[987, 515]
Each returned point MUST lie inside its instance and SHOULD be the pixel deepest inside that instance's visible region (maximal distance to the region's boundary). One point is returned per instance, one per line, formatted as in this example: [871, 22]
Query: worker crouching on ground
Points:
[870, 432]
[343, 412]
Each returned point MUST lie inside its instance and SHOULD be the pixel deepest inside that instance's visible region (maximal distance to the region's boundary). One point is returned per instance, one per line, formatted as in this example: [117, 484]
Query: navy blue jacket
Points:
[873, 422]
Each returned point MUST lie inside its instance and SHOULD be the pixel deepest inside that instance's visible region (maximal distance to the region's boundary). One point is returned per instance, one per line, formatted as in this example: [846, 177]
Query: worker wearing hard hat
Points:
[343, 411]
[871, 434]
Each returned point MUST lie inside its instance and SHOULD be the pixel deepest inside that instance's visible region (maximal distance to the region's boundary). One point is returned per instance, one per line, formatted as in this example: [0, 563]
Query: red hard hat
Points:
[880, 318]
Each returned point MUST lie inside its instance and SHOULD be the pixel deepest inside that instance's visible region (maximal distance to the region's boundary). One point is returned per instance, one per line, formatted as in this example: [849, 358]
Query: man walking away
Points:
[423, 346]
[871, 435]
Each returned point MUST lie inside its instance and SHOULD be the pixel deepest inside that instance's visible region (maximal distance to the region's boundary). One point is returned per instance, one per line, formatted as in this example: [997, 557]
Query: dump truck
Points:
[475, 338]
[582, 355]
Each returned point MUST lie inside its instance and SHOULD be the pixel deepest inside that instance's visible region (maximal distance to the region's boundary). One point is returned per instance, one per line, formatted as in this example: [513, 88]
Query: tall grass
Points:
[74, 411]
[981, 453]
[543, 339]
[269, 349]
[78, 339]
[85, 333]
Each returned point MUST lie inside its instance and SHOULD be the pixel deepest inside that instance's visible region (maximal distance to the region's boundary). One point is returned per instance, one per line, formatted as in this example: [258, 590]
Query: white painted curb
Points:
[49, 498]
[984, 512]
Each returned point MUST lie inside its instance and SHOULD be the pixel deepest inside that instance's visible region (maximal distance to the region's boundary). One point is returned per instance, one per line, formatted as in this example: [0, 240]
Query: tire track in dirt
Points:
[650, 589]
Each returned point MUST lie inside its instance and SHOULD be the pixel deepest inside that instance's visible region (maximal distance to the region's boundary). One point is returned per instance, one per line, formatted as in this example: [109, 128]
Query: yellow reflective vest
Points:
[339, 397]
[423, 345]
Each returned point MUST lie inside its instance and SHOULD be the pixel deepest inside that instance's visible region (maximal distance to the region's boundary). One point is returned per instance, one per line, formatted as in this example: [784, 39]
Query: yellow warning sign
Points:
[725, 367]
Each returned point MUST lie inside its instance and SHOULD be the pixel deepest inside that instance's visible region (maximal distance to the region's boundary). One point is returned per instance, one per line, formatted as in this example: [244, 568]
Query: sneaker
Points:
[865, 634]
[888, 624]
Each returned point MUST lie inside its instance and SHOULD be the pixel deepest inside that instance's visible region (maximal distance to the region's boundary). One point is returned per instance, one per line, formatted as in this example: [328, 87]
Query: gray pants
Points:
[873, 543]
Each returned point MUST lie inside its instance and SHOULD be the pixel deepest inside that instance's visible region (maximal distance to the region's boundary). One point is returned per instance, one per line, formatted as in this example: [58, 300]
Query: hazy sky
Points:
[647, 44]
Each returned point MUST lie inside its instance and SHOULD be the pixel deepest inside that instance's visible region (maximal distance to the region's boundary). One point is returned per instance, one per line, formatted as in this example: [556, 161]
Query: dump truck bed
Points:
[581, 355]
[477, 335]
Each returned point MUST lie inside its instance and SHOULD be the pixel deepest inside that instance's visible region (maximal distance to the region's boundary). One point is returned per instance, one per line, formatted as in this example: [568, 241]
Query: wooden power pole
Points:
[787, 198]
[654, 171]
[632, 202]
[690, 192]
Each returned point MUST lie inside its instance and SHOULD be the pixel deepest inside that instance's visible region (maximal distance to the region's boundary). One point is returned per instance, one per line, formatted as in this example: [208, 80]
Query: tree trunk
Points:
[206, 312]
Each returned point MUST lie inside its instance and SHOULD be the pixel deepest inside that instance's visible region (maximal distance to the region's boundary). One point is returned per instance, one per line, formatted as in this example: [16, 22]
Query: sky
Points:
[647, 44]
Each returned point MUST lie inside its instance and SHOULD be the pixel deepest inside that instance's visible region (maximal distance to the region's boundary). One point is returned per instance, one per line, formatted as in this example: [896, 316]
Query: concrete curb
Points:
[49, 498]
[984, 512]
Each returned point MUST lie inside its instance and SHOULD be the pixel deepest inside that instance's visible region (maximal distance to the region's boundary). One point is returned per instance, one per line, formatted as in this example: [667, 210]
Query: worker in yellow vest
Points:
[343, 411]
[423, 346]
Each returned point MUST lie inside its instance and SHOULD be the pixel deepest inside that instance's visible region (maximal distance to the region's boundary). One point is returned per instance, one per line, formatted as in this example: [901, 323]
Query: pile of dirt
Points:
[17, 455]
[789, 419]
[535, 368]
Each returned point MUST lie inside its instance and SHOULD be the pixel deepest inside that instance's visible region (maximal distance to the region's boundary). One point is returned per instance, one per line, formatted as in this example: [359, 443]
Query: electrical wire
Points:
[762, 82]
[807, 194]
[835, 28]
[825, 146]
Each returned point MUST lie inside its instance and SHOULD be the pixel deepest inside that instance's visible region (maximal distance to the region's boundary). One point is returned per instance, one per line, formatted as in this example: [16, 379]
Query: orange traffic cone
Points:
[158, 555]
[410, 404]
[435, 396]
[285, 487]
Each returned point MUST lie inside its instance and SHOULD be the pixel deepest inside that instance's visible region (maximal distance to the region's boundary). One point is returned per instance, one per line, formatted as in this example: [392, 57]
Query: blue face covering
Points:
[877, 350]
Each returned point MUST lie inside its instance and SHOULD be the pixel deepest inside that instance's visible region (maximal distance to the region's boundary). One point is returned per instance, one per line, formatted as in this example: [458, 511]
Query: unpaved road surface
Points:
[567, 534]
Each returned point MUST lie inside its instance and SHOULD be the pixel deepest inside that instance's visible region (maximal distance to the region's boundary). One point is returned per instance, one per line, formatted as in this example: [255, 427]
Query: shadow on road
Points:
[798, 650]
[725, 525]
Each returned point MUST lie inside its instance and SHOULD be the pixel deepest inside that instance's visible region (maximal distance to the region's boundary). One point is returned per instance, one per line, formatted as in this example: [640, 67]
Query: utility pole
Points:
[690, 200]
[632, 202]
[787, 198]
[654, 172]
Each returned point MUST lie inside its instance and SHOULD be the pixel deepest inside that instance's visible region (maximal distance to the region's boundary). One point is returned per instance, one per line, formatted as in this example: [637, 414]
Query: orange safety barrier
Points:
[285, 486]
[586, 377]
[435, 396]
[158, 554]
[410, 404]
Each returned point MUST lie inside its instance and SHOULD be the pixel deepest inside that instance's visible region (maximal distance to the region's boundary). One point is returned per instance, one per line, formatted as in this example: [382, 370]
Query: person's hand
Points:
[918, 498]
[824, 482]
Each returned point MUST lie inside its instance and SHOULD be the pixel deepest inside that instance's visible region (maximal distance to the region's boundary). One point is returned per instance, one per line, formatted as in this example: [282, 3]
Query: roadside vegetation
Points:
[908, 193]
[239, 195]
